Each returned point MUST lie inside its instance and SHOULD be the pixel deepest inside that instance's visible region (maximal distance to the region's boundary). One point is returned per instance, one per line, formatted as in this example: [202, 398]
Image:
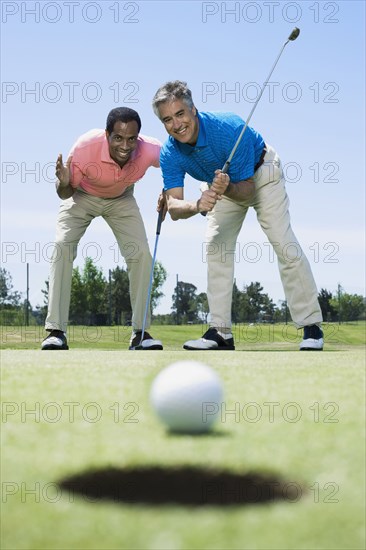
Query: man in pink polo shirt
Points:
[98, 180]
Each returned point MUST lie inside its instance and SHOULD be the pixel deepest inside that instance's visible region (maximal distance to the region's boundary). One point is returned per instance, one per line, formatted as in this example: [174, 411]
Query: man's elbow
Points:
[173, 214]
[173, 209]
[64, 192]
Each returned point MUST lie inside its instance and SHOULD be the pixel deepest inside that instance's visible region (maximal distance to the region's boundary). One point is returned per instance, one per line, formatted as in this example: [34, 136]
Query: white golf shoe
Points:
[313, 339]
[55, 340]
[148, 342]
[211, 340]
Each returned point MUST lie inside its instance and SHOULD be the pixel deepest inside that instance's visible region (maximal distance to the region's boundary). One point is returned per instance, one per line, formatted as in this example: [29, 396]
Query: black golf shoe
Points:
[147, 343]
[211, 340]
[55, 340]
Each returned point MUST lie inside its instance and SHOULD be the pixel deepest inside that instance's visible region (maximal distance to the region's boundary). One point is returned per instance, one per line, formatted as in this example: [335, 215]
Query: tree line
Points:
[100, 300]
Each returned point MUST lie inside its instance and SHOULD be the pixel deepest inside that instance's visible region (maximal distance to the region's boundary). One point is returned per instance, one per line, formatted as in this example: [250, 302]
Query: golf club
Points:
[295, 33]
[158, 227]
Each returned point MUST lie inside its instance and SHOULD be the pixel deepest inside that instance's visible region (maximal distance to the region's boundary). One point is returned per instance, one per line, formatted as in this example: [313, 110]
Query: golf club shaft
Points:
[158, 227]
[295, 33]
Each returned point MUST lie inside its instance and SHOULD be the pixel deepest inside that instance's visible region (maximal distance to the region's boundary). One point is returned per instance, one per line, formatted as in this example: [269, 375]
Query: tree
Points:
[268, 308]
[349, 307]
[120, 294]
[185, 303]
[8, 296]
[93, 298]
[78, 302]
[121, 304]
[159, 278]
[254, 301]
[251, 304]
[256, 305]
[202, 306]
[45, 292]
[236, 304]
[325, 298]
[95, 286]
[88, 291]
[282, 313]
[165, 319]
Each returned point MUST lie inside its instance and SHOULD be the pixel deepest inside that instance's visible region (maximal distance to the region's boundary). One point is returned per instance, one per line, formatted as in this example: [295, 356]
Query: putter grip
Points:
[224, 171]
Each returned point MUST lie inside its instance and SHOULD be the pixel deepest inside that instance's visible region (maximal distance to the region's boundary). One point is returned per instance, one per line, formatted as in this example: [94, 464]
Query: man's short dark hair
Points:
[122, 114]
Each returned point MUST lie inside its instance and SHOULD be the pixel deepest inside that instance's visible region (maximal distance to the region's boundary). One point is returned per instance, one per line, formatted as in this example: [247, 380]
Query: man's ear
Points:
[107, 134]
[194, 111]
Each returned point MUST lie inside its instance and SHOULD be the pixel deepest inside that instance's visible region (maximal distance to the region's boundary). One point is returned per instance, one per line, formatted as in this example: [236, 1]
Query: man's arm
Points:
[241, 191]
[180, 209]
[63, 187]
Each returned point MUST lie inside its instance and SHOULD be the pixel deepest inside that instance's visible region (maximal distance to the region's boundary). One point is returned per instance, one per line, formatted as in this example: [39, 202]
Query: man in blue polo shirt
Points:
[199, 144]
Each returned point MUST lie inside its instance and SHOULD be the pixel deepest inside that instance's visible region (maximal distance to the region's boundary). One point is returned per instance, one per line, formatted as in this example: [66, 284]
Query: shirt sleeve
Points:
[156, 160]
[173, 173]
[76, 174]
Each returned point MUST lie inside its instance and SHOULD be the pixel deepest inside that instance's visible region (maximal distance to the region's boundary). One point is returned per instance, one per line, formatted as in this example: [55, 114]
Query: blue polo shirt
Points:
[217, 136]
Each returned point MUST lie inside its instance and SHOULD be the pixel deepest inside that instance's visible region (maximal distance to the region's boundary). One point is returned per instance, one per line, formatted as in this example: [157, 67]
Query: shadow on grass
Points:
[181, 485]
[204, 435]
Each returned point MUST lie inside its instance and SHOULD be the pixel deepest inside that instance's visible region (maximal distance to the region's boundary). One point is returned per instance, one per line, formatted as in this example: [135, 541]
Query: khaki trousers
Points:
[224, 224]
[123, 217]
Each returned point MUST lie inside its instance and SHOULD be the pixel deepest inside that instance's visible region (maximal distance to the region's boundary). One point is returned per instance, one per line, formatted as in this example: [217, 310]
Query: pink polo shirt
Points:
[97, 173]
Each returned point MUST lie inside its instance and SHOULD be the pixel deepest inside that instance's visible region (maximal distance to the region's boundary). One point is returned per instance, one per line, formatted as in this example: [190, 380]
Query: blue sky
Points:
[66, 64]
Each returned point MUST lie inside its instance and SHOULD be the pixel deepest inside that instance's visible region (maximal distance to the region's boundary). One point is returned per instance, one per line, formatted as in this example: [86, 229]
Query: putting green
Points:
[288, 417]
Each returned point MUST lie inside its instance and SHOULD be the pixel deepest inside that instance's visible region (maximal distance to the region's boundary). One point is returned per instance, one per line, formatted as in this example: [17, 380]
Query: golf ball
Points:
[187, 396]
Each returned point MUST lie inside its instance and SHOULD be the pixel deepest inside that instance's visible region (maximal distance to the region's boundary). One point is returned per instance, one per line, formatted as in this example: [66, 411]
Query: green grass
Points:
[247, 337]
[65, 414]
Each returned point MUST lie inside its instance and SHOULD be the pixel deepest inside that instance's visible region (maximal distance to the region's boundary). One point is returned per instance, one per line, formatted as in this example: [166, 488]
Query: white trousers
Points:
[123, 217]
[224, 224]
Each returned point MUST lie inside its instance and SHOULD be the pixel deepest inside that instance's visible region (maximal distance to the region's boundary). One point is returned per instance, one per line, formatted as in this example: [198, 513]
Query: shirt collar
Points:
[105, 156]
[187, 149]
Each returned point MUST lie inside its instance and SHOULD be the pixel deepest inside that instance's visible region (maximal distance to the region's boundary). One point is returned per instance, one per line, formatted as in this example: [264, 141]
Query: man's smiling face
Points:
[180, 121]
[122, 141]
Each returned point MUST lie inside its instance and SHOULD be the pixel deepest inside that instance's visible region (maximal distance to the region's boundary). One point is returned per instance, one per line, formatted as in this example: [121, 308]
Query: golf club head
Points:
[295, 33]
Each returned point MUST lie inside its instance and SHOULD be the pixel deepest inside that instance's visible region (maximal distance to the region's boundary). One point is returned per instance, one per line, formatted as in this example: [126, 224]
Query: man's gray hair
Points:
[171, 91]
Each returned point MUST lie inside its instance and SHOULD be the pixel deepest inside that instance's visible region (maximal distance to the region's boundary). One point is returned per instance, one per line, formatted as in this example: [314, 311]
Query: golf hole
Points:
[186, 486]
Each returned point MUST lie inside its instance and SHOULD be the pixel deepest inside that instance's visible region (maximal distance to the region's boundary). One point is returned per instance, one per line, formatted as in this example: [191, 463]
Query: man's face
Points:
[122, 141]
[180, 121]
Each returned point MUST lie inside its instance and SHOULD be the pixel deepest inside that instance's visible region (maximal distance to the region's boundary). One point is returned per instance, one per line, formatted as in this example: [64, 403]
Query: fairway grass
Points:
[298, 417]
[248, 337]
